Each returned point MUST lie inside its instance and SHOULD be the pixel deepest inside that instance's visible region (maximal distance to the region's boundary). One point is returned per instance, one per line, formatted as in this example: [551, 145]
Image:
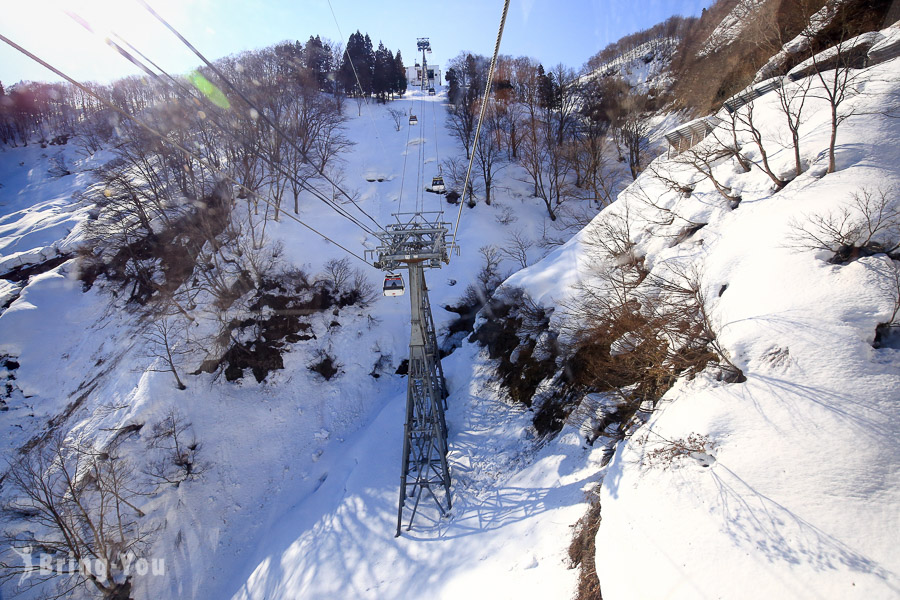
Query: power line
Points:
[153, 131]
[487, 91]
[228, 131]
[261, 113]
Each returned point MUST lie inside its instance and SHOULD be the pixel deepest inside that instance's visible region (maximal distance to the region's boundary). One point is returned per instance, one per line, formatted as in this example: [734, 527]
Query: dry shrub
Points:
[582, 550]
[670, 452]
[869, 224]
[634, 334]
[325, 365]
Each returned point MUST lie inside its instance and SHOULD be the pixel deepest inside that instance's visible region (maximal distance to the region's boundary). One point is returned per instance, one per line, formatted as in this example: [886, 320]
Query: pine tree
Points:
[381, 73]
[400, 81]
[453, 91]
[346, 74]
[317, 60]
[366, 67]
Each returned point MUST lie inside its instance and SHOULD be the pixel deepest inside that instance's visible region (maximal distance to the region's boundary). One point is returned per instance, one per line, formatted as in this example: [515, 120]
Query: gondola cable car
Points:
[437, 183]
[413, 120]
[393, 285]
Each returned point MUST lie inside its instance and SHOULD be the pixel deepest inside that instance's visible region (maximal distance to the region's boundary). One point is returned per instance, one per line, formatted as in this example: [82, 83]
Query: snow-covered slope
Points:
[644, 67]
[731, 26]
[796, 493]
[298, 497]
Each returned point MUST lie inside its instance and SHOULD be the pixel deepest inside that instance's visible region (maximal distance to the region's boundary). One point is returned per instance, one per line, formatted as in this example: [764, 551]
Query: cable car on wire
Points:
[413, 120]
[437, 182]
[393, 285]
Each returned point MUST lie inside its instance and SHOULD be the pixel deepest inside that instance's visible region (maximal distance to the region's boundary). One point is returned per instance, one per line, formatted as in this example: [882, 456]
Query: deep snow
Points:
[802, 494]
[300, 492]
[800, 498]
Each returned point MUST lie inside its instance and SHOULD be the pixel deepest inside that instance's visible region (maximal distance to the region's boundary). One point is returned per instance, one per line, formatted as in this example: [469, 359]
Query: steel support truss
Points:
[416, 242]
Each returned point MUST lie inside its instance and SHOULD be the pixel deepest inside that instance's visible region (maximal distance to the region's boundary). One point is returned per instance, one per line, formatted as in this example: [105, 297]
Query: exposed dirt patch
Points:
[23, 273]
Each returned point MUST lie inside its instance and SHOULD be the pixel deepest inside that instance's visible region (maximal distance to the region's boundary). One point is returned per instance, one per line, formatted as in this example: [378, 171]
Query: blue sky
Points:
[553, 31]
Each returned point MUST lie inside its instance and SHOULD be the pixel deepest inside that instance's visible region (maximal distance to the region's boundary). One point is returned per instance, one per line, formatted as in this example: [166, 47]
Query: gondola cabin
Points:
[413, 120]
[437, 185]
[431, 91]
[393, 285]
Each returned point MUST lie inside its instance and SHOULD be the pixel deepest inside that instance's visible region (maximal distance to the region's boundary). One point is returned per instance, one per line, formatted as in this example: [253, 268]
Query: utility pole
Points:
[424, 45]
[417, 241]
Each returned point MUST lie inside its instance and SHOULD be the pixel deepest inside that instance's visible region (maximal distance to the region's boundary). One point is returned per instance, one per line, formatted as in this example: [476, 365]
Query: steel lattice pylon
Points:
[415, 243]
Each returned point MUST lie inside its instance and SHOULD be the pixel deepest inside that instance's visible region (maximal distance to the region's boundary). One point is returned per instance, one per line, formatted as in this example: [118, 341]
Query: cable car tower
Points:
[425, 46]
[418, 241]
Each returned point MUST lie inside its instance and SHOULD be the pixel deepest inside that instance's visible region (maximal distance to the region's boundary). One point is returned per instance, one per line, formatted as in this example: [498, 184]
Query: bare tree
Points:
[510, 111]
[792, 99]
[79, 503]
[179, 460]
[469, 74]
[745, 117]
[838, 71]
[398, 116]
[516, 247]
[488, 279]
[489, 151]
[454, 170]
[58, 167]
[593, 170]
[869, 224]
[703, 158]
[632, 128]
[165, 336]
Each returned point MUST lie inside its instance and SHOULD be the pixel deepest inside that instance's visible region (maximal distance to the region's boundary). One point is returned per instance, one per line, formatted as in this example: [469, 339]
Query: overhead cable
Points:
[484, 99]
[261, 113]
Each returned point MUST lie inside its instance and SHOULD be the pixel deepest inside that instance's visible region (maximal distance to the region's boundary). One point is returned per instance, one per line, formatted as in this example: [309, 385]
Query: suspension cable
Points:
[487, 91]
[420, 163]
[261, 113]
[153, 131]
[229, 132]
[437, 158]
[403, 177]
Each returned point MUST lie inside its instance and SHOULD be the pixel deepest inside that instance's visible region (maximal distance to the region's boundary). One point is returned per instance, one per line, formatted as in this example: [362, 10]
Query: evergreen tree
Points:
[400, 81]
[367, 70]
[360, 56]
[548, 90]
[453, 89]
[382, 73]
[288, 60]
[346, 75]
[317, 59]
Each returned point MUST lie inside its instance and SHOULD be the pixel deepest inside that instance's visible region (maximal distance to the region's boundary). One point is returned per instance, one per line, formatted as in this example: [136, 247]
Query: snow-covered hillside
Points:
[731, 26]
[786, 485]
[767, 468]
[644, 67]
[298, 494]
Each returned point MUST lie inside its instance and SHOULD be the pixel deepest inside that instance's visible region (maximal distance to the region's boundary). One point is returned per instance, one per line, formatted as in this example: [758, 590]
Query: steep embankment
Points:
[785, 485]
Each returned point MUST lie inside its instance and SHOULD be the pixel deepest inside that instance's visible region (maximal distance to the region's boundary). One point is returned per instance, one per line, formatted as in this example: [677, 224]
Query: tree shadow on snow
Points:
[754, 520]
[859, 411]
